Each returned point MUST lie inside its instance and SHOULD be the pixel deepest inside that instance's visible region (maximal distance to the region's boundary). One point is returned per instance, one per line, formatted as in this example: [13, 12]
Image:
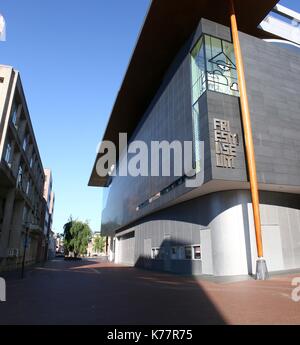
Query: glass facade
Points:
[221, 68]
[213, 67]
[196, 136]
[198, 71]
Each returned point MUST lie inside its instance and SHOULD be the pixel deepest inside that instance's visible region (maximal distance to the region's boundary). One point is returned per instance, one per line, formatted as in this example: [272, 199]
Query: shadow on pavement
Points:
[89, 292]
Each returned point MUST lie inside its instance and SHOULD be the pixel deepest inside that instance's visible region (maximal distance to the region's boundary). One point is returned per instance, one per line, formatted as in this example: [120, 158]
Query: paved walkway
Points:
[92, 292]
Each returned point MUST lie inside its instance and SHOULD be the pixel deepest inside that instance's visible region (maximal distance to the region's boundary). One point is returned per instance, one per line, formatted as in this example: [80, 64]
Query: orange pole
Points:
[247, 130]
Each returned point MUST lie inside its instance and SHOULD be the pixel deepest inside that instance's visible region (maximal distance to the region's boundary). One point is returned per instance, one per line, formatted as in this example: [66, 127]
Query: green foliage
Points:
[68, 236]
[76, 237]
[99, 244]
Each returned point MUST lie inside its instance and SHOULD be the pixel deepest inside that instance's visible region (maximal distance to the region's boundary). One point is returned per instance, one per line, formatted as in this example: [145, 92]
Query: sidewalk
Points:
[94, 292]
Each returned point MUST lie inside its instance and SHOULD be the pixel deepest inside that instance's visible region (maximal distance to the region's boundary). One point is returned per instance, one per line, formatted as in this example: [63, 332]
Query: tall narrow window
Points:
[196, 253]
[198, 71]
[198, 88]
[14, 115]
[20, 176]
[25, 142]
[27, 187]
[8, 153]
[25, 213]
[188, 252]
[196, 137]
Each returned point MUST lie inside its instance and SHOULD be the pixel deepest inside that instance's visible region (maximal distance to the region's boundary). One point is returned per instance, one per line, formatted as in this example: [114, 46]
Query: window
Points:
[27, 187]
[221, 68]
[196, 253]
[188, 253]
[196, 137]
[25, 213]
[25, 142]
[174, 253]
[8, 153]
[198, 70]
[20, 176]
[192, 252]
[213, 67]
[14, 115]
[164, 191]
[155, 253]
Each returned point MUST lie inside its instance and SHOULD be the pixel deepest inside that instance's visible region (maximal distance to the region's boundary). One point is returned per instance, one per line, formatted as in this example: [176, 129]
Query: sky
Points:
[72, 56]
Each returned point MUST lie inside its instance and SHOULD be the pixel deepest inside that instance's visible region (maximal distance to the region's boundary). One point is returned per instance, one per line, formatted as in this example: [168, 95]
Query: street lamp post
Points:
[24, 252]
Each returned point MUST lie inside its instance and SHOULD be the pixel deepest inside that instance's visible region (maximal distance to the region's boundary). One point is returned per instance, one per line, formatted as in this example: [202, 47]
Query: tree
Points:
[99, 244]
[68, 236]
[76, 236]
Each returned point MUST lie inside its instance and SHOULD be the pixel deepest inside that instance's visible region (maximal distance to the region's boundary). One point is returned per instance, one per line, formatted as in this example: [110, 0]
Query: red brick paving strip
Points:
[90, 292]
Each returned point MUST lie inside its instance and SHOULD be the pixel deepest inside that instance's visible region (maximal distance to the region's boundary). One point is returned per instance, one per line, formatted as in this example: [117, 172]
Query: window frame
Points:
[193, 252]
[204, 43]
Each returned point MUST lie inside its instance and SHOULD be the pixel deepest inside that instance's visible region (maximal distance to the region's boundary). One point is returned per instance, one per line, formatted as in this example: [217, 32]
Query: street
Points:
[97, 292]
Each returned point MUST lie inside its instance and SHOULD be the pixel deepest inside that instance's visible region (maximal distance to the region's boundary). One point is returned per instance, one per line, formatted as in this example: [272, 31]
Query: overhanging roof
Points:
[168, 24]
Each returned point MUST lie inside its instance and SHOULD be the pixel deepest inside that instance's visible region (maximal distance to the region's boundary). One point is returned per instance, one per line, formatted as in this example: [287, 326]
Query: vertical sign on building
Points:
[225, 143]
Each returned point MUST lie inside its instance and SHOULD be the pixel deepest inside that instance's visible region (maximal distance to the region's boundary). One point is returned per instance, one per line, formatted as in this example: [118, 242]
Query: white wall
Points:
[228, 243]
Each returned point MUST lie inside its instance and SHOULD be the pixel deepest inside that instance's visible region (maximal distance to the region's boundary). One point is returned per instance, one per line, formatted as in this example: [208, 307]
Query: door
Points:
[126, 245]
[167, 252]
[206, 251]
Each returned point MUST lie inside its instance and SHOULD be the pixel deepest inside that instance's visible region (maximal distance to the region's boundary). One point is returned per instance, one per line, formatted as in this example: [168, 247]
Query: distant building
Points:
[49, 210]
[51, 245]
[59, 243]
[91, 246]
[21, 177]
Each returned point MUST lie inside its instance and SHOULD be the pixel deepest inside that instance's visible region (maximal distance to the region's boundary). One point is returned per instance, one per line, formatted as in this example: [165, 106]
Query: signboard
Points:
[226, 143]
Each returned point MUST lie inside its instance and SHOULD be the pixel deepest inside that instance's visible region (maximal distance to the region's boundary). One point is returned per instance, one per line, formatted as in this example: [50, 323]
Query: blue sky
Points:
[72, 56]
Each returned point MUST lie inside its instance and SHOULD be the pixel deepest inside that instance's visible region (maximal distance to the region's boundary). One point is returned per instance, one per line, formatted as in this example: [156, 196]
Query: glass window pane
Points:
[196, 252]
[221, 68]
[198, 71]
[188, 253]
[196, 136]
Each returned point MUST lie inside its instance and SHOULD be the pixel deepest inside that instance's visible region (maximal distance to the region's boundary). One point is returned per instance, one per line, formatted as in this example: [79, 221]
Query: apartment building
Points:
[21, 178]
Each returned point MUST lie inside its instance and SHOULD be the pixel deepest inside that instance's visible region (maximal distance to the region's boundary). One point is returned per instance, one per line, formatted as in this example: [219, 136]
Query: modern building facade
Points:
[21, 177]
[181, 85]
